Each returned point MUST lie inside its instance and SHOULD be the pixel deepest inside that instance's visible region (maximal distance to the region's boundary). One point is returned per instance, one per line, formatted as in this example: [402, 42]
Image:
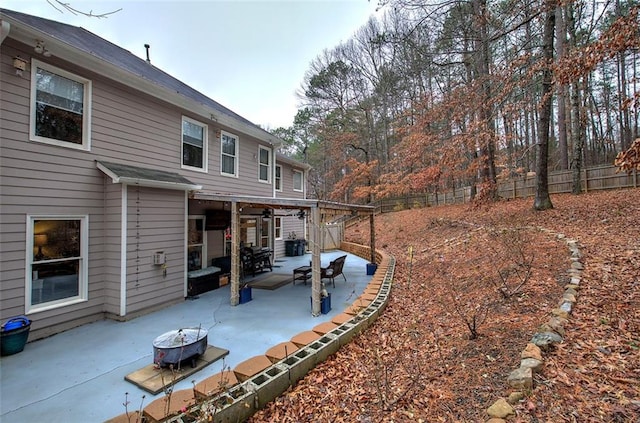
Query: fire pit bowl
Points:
[179, 345]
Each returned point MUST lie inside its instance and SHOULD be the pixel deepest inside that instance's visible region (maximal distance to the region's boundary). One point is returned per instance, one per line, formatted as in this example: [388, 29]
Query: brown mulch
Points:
[490, 271]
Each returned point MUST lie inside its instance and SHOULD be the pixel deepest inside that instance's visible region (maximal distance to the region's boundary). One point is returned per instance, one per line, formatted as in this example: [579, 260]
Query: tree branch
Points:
[69, 8]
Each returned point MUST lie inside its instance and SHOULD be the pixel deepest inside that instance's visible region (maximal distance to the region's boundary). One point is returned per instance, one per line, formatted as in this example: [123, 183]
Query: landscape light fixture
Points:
[41, 49]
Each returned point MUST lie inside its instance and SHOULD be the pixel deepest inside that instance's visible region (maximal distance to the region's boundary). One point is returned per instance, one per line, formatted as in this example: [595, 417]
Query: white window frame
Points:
[267, 165]
[277, 227]
[83, 285]
[235, 156]
[86, 107]
[205, 145]
[298, 172]
[278, 178]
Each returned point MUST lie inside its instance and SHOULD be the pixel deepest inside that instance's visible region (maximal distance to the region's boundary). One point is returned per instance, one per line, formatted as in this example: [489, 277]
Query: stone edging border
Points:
[550, 333]
[242, 400]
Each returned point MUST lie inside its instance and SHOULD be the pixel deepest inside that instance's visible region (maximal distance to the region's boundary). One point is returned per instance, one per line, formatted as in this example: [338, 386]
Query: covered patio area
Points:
[316, 214]
[79, 374]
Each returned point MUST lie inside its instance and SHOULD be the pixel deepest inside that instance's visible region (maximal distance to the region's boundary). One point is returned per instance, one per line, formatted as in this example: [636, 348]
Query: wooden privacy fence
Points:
[593, 179]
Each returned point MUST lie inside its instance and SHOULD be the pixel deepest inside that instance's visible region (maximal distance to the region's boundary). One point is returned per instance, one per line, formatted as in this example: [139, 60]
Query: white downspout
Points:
[5, 28]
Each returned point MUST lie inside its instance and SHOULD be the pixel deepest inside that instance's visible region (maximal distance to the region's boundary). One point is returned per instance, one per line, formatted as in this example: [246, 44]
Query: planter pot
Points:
[371, 268]
[14, 335]
[325, 304]
[245, 295]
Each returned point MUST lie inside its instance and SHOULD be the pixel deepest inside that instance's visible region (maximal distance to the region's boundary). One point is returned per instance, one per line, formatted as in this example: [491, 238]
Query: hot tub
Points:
[179, 345]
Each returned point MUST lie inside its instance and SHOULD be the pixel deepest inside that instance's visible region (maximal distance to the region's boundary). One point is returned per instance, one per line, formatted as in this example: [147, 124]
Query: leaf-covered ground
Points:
[490, 271]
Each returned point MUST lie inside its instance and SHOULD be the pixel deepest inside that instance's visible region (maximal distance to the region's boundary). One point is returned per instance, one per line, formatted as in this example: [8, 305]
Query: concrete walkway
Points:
[78, 375]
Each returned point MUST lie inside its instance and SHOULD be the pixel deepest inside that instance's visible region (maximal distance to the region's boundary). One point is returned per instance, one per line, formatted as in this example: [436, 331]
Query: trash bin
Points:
[290, 248]
[14, 334]
[294, 247]
[300, 247]
[371, 268]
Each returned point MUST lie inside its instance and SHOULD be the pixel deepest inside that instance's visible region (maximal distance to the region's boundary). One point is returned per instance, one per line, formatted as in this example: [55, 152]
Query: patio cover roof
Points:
[127, 174]
[326, 207]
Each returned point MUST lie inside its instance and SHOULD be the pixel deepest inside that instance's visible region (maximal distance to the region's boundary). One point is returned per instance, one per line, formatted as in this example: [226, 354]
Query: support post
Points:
[315, 261]
[235, 251]
[372, 231]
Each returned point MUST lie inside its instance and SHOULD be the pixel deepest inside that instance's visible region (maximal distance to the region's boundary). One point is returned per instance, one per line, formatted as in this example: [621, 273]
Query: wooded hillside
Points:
[435, 95]
[501, 270]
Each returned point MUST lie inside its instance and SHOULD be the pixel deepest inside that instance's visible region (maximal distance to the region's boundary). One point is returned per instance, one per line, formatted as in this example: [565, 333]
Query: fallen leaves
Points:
[416, 362]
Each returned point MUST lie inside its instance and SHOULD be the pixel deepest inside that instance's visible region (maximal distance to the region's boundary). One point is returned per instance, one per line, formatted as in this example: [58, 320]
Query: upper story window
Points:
[278, 178]
[264, 164]
[297, 180]
[57, 261]
[60, 107]
[194, 144]
[229, 151]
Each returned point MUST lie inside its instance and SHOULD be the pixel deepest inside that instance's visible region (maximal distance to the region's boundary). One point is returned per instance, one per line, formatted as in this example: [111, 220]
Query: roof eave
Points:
[28, 35]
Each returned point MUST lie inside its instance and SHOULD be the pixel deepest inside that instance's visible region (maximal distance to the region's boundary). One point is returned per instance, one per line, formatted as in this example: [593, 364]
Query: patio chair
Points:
[333, 269]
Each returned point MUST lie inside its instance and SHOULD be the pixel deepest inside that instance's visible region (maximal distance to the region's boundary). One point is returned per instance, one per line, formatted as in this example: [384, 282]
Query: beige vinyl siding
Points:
[112, 246]
[287, 182]
[289, 224]
[127, 127]
[158, 217]
[40, 179]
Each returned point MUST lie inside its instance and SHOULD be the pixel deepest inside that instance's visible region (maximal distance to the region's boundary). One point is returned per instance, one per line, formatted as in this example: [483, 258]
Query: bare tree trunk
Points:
[578, 140]
[482, 64]
[542, 200]
[625, 124]
[563, 163]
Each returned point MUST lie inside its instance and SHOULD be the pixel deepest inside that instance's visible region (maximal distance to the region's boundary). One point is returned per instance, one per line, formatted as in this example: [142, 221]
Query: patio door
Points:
[265, 232]
[248, 231]
[196, 245]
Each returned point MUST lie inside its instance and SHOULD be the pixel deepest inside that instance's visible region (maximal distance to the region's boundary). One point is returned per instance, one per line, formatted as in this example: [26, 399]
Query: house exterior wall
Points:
[155, 223]
[112, 253]
[127, 127]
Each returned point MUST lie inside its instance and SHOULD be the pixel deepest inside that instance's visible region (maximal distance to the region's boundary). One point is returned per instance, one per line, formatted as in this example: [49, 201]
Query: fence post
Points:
[586, 180]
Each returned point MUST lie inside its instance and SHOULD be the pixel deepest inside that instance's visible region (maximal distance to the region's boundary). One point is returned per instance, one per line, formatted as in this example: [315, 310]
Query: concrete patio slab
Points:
[79, 374]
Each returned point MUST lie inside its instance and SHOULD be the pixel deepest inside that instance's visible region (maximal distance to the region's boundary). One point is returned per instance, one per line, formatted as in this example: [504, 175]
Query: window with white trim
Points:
[57, 256]
[277, 227]
[60, 107]
[297, 180]
[194, 144]
[264, 164]
[229, 154]
[278, 178]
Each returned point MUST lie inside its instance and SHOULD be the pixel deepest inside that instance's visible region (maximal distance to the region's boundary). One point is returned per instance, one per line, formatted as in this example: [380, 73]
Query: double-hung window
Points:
[194, 144]
[57, 261]
[297, 180]
[60, 107]
[264, 164]
[229, 154]
[277, 227]
[278, 178]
